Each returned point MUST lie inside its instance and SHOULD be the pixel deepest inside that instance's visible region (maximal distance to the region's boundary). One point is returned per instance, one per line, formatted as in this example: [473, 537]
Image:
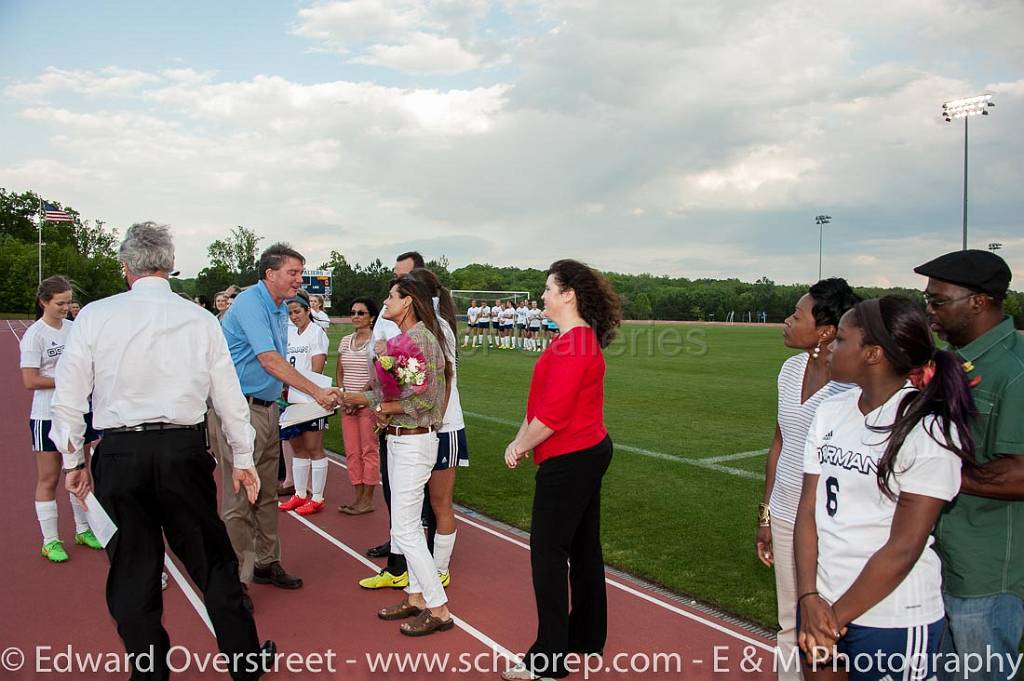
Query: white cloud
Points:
[104, 82]
[411, 36]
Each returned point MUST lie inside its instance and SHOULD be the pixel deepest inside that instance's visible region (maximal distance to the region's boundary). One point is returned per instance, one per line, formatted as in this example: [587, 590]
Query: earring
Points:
[816, 351]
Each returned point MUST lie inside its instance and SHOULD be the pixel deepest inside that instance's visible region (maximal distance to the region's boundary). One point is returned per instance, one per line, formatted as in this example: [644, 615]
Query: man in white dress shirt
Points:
[150, 359]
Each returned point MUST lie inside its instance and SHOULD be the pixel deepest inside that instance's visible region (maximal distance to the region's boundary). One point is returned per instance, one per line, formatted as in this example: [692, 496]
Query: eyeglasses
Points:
[358, 313]
[936, 303]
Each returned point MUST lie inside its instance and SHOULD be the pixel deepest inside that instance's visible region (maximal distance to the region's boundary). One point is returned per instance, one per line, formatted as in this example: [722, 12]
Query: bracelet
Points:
[809, 593]
[764, 515]
[75, 468]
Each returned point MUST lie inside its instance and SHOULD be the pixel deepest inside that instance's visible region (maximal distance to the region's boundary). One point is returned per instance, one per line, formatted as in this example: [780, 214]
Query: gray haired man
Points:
[150, 360]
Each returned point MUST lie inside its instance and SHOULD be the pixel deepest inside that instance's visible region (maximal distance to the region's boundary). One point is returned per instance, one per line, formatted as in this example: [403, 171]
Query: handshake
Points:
[332, 398]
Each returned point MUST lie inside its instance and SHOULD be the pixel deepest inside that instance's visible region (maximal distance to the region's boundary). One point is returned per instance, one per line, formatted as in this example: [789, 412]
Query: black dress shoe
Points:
[275, 574]
[381, 551]
[268, 653]
[247, 600]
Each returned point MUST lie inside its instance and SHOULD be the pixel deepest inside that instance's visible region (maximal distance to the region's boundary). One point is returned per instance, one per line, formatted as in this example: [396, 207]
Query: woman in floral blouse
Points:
[411, 424]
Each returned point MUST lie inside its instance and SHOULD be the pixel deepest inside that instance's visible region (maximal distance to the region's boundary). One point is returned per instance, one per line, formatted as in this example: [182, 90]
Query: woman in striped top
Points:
[362, 447]
[803, 384]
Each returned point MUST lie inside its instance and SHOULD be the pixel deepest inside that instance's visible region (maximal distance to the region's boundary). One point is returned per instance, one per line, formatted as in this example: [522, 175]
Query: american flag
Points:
[52, 213]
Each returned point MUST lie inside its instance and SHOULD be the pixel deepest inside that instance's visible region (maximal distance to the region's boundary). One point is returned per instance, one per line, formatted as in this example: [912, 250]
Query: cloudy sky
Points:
[685, 138]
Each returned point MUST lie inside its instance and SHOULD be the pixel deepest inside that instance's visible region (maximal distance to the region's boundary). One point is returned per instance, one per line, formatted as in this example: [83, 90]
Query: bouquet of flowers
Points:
[402, 369]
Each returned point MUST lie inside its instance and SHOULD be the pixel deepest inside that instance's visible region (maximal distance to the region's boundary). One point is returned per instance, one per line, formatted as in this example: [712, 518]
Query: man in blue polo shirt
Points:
[255, 328]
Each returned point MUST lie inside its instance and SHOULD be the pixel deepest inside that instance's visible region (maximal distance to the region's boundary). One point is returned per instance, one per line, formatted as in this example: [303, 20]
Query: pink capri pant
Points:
[362, 448]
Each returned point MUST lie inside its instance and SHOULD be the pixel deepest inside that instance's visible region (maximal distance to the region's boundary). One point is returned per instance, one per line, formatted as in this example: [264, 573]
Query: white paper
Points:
[99, 522]
[302, 412]
[296, 396]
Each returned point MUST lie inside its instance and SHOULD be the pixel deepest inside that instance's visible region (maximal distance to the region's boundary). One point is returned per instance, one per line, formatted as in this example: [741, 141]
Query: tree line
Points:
[87, 252]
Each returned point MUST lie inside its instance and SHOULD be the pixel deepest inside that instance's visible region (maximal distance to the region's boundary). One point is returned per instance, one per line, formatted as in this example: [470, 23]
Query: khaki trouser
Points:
[252, 527]
[785, 587]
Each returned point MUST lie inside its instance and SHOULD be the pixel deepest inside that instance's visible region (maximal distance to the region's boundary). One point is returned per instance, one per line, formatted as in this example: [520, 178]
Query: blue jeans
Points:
[988, 629]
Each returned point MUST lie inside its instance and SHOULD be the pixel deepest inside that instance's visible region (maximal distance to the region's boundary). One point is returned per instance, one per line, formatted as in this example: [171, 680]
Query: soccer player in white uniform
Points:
[522, 315]
[881, 462]
[472, 313]
[484, 324]
[41, 349]
[307, 351]
[533, 316]
[508, 320]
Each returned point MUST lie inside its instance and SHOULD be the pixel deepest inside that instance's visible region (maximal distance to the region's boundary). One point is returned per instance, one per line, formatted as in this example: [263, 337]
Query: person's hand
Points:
[763, 542]
[247, 478]
[326, 397]
[513, 455]
[78, 483]
[819, 629]
[380, 347]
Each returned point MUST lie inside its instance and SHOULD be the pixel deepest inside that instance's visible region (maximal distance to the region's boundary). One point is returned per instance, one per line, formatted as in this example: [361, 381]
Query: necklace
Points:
[362, 347]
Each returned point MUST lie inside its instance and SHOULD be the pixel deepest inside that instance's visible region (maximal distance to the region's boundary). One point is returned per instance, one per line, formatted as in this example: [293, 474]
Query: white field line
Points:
[712, 463]
[189, 592]
[611, 582]
[461, 623]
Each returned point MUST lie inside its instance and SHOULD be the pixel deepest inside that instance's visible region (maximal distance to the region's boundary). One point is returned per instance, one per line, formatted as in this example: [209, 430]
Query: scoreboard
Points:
[318, 282]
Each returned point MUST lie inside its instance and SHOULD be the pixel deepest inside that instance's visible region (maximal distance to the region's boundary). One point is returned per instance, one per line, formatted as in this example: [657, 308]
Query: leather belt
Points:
[150, 427]
[257, 401]
[398, 430]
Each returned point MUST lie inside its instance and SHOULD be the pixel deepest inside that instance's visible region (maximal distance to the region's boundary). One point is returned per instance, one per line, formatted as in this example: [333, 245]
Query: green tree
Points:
[238, 253]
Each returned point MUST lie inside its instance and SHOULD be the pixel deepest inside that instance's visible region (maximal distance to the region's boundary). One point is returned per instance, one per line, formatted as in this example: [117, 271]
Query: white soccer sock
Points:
[319, 468]
[46, 512]
[444, 544]
[81, 517]
[465, 340]
[300, 474]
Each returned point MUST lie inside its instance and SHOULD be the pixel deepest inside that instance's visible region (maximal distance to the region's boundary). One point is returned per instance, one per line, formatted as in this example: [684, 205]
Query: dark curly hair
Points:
[596, 300]
[832, 298]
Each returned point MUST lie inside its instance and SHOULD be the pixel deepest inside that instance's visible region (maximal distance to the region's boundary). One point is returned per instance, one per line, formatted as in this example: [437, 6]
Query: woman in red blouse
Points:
[564, 427]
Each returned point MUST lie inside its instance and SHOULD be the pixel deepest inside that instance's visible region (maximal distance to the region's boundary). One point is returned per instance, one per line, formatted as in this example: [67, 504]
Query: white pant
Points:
[785, 589]
[411, 459]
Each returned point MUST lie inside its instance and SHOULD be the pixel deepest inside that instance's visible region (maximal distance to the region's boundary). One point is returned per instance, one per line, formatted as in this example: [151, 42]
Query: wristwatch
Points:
[379, 408]
[75, 468]
[764, 515]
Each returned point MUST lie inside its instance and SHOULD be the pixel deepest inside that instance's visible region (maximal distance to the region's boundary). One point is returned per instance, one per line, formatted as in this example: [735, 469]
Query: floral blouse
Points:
[425, 409]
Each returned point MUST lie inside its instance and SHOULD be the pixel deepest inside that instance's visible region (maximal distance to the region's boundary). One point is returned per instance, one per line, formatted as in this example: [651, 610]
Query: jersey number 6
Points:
[831, 496]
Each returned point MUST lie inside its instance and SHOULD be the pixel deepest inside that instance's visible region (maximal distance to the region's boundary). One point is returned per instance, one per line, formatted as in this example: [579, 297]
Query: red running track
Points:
[329, 627]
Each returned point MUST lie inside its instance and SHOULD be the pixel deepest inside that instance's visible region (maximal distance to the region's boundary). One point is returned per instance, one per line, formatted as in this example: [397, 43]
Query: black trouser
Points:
[396, 561]
[565, 555]
[162, 481]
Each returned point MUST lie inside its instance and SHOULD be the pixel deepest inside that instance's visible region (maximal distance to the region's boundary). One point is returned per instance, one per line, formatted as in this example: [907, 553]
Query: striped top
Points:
[794, 422]
[355, 364]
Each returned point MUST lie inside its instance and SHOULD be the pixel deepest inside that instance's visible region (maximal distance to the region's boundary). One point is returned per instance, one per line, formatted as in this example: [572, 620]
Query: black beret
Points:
[981, 271]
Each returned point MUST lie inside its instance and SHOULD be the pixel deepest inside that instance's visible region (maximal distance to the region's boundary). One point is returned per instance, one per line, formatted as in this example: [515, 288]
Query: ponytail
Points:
[942, 392]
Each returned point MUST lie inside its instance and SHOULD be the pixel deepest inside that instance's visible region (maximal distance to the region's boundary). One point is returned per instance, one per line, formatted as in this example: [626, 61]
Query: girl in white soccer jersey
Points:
[471, 316]
[484, 323]
[533, 335]
[881, 461]
[41, 348]
[307, 351]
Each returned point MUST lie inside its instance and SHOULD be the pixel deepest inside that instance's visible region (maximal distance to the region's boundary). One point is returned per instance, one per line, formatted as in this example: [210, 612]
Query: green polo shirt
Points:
[981, 540]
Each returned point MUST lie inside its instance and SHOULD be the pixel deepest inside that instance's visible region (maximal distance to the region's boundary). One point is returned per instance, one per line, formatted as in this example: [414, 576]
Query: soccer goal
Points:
[491, 309]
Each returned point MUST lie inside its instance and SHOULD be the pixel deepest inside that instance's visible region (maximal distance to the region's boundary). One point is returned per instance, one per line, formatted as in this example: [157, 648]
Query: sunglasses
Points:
[358, 313]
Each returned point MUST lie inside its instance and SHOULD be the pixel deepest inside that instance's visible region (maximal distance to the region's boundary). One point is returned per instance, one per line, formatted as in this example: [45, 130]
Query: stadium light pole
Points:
[966, 108]
[821, 221]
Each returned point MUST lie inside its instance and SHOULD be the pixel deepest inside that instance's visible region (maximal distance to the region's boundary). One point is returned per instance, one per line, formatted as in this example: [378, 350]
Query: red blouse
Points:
[567, 394]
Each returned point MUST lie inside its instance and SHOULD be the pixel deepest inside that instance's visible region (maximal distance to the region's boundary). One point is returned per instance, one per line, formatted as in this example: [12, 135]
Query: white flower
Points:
[413, 364]
[421, 379]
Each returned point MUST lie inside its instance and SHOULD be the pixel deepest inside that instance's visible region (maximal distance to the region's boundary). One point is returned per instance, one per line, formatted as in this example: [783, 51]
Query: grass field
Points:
[676, 396]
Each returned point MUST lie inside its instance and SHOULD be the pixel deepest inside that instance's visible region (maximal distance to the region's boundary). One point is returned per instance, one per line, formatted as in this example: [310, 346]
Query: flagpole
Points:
[40, 233]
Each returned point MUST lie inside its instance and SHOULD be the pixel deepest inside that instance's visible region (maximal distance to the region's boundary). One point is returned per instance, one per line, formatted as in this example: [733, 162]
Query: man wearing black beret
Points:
[980, 535]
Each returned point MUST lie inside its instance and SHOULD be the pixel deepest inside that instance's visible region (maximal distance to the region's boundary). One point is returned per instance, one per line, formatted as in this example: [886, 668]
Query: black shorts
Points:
[452, 450]
[41, 441]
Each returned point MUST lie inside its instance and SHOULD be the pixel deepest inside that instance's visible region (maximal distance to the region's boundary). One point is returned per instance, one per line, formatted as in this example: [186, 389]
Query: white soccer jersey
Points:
[472, 314]
[41, 348]
[854, 518]
[508, 316]
[303, 347]
[522, 313]
[485, 314]
[534, 316]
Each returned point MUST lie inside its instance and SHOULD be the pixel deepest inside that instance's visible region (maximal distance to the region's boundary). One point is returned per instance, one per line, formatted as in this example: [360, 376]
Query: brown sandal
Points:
[399, 612]
[425, 624]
